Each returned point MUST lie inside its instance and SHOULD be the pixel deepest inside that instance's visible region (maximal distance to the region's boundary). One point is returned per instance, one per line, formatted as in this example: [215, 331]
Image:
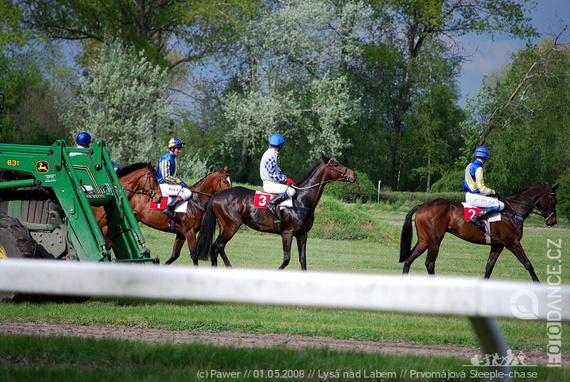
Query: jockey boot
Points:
[169, 210]
[478, 219]
[275, 201]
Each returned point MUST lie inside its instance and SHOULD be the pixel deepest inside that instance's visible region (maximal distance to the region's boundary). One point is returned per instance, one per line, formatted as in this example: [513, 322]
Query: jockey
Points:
[476, 193]
[84, 142]
[272, 176]
[170, 183]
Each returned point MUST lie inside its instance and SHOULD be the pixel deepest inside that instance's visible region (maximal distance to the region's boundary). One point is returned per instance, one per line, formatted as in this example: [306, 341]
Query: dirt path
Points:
[251, 340]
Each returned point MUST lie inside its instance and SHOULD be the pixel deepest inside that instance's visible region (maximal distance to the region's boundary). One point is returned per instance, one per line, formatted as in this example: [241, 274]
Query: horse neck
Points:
[206, 186]
[525, 201]
[314, 184]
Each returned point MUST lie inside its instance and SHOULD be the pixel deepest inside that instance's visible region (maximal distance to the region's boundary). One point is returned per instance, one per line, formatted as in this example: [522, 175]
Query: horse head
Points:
[337, 171]
[151, 183]
[214, 182]
[546, 204]
[140, 178]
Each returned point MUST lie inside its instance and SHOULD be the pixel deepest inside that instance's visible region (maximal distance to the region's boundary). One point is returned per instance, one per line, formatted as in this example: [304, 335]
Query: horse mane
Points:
[131, 168]
[528, 189]
[201, 180]
[309, 173]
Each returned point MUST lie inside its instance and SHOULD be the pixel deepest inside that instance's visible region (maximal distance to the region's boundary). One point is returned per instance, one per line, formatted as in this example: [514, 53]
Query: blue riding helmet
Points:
[481, 152]
[84, 139]
[176, 143]
[276, 140]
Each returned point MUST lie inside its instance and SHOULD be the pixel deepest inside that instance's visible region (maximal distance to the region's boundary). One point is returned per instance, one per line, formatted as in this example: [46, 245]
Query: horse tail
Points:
[406, 238]
[203, 245]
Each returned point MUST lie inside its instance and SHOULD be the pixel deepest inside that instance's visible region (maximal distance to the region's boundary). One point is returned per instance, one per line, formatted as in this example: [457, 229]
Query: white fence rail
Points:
[478, 299]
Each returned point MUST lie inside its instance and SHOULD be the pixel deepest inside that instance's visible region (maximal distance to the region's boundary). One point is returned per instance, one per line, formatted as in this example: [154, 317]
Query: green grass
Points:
[59, 358]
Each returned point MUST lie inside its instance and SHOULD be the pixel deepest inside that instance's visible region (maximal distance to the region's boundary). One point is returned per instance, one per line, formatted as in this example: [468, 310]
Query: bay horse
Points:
[186, 225]
[140, 184]
[234, 207]
[435, 218]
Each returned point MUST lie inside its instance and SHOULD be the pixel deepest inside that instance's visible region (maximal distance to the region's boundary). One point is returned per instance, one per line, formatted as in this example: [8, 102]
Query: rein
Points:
[205, 193]
[342, 177]
[537, 212]
[151, 194]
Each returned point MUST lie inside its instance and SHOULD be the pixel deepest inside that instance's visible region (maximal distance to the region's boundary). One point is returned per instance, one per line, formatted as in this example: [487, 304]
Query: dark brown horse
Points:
[439, 216]
[234, 207]
[186, 225]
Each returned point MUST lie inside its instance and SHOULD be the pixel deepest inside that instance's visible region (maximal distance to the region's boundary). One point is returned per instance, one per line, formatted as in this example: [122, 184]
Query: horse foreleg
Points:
[493, 256]
[417, 251]
[178, 243]
[302, 247]
[286, 239]
[518, 251]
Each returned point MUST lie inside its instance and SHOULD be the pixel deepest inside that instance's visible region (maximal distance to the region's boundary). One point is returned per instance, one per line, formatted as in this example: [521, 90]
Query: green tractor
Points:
[46, 198]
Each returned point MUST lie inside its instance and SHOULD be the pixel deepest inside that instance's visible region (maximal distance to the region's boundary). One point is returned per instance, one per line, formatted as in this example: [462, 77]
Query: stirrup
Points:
[272, 208]
[475, 220]
[169, 211]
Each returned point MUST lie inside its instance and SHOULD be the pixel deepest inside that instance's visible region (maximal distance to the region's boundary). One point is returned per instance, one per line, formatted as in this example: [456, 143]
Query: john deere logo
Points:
[42, 166]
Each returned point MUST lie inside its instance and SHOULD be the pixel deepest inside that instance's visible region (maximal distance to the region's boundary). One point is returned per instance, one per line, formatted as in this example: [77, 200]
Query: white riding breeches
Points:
[278, 188]
[484, 201]
[175, 190]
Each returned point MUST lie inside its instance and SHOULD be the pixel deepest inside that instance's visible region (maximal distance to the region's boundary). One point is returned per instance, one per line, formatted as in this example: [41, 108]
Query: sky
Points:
[489, 56]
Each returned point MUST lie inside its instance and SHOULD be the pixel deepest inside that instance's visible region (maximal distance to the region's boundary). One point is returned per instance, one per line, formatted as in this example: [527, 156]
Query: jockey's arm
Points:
[480, 181]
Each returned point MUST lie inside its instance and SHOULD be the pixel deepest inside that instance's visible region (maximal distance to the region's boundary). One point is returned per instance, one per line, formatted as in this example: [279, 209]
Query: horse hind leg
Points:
[219, 249]
[176, 249]
[433, 251]
[417, 251]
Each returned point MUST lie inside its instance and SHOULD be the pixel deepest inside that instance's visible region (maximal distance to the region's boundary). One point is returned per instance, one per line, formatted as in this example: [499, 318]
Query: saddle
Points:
[261, 199]
[164, 202]
[470, 211]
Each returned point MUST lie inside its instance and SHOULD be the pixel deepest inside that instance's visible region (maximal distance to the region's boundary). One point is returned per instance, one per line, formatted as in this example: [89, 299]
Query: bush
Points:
[335, 220]
[419, 197]
[563, 196]
[362, 190]
[449, 182]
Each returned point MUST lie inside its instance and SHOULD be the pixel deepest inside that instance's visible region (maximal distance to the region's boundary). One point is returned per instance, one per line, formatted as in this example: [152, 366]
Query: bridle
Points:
[151, 194]
[322, 183]
[538, 212]
[220, 176]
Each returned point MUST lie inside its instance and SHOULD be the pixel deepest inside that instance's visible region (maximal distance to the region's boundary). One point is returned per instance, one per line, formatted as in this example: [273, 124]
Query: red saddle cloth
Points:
[160, 206]
[470, 211]
[261, 199]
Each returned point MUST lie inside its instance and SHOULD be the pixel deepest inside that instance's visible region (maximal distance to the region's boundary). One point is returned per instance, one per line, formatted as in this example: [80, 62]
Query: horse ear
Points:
[554, 188]
[326, 158]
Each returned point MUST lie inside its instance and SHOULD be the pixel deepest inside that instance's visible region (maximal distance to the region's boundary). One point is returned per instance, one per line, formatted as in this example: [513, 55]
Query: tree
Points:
[122, 101]
[170, 32]
[411, 24]
[292, 82]
[524, 118]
